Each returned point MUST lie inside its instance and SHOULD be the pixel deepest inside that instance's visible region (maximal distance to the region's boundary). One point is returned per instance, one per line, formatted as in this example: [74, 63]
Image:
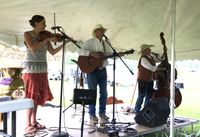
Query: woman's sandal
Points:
[38, 126]
[30, 131]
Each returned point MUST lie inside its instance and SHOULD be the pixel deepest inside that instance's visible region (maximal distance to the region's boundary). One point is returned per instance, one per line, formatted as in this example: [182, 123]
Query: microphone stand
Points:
[60, 133]
[64, 36]
[113, 121]
[83, 113]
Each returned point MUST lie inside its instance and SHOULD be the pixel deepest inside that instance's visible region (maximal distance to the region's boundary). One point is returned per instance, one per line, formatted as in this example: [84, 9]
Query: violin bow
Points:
[54, 23]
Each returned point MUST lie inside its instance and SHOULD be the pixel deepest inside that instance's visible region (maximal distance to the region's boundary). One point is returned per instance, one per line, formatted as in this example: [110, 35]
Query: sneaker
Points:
[94, 120]
[103, 118]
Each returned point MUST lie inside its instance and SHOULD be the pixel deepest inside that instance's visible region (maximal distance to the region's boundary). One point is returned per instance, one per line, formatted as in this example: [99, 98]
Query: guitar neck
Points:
[116, 54]
[165, 54]
[111, 56]
[164, 46]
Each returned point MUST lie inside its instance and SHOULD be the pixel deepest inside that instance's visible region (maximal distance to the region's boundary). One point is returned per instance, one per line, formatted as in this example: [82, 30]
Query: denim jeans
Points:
[95, 78]
[145, 90]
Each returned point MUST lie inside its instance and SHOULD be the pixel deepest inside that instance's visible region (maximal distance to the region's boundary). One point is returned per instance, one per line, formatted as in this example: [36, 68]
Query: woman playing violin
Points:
[35, 74]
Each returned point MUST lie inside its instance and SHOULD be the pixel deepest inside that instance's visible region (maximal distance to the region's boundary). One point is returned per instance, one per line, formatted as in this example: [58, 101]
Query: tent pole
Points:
[172, 88]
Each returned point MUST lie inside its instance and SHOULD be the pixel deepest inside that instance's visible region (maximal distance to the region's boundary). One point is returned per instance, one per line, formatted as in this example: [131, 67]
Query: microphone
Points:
[56, 27]
[74, 61]
[155, 54]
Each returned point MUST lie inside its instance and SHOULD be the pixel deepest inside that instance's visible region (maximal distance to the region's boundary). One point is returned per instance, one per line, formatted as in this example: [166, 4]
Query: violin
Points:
[59, 37]
[47, 34]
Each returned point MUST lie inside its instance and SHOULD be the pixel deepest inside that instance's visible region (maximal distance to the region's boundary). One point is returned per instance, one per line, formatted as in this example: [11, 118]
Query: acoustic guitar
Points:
[88, 64]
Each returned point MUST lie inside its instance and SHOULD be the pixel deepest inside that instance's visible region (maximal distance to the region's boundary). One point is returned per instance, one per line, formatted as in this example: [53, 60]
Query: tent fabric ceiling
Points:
[130, 23]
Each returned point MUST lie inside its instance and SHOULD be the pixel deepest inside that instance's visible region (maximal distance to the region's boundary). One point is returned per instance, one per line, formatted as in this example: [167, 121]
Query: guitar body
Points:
[88, 64]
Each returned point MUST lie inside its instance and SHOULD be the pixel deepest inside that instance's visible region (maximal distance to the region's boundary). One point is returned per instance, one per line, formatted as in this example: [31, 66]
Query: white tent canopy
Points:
[130, 23]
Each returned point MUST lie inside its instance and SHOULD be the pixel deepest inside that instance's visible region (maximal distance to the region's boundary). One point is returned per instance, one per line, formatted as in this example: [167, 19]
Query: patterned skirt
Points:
[37, 87]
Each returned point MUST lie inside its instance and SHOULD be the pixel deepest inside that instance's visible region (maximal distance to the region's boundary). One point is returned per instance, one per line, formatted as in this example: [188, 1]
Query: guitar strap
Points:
[104, 48]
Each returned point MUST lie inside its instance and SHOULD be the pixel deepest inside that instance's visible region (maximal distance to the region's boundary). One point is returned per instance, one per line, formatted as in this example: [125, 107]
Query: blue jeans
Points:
[95, 78]
[145, 90]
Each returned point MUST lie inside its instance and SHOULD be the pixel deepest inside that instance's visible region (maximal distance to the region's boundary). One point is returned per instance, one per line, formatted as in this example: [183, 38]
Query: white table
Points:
[180, 123]
[13, 106]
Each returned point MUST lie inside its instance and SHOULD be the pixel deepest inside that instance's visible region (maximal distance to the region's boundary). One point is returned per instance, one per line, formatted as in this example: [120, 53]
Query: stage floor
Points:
[72, 121]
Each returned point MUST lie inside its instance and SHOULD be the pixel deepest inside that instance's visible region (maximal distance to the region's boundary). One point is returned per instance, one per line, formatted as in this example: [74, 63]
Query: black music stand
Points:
[84, 97]
[76, 85]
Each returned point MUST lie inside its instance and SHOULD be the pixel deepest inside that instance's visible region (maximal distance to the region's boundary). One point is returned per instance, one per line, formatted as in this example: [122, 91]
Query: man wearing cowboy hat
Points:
[146, 68]
[92, 47]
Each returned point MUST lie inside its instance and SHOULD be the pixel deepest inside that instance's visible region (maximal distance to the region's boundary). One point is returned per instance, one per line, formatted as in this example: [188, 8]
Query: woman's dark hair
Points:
[35, 18]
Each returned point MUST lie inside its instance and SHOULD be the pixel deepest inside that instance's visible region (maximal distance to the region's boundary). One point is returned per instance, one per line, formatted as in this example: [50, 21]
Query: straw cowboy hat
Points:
[98, 26]
[143, 47]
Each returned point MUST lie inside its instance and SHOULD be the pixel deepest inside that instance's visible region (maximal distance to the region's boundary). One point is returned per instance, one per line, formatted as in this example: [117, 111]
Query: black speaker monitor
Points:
[86, 96]
[154, 114]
